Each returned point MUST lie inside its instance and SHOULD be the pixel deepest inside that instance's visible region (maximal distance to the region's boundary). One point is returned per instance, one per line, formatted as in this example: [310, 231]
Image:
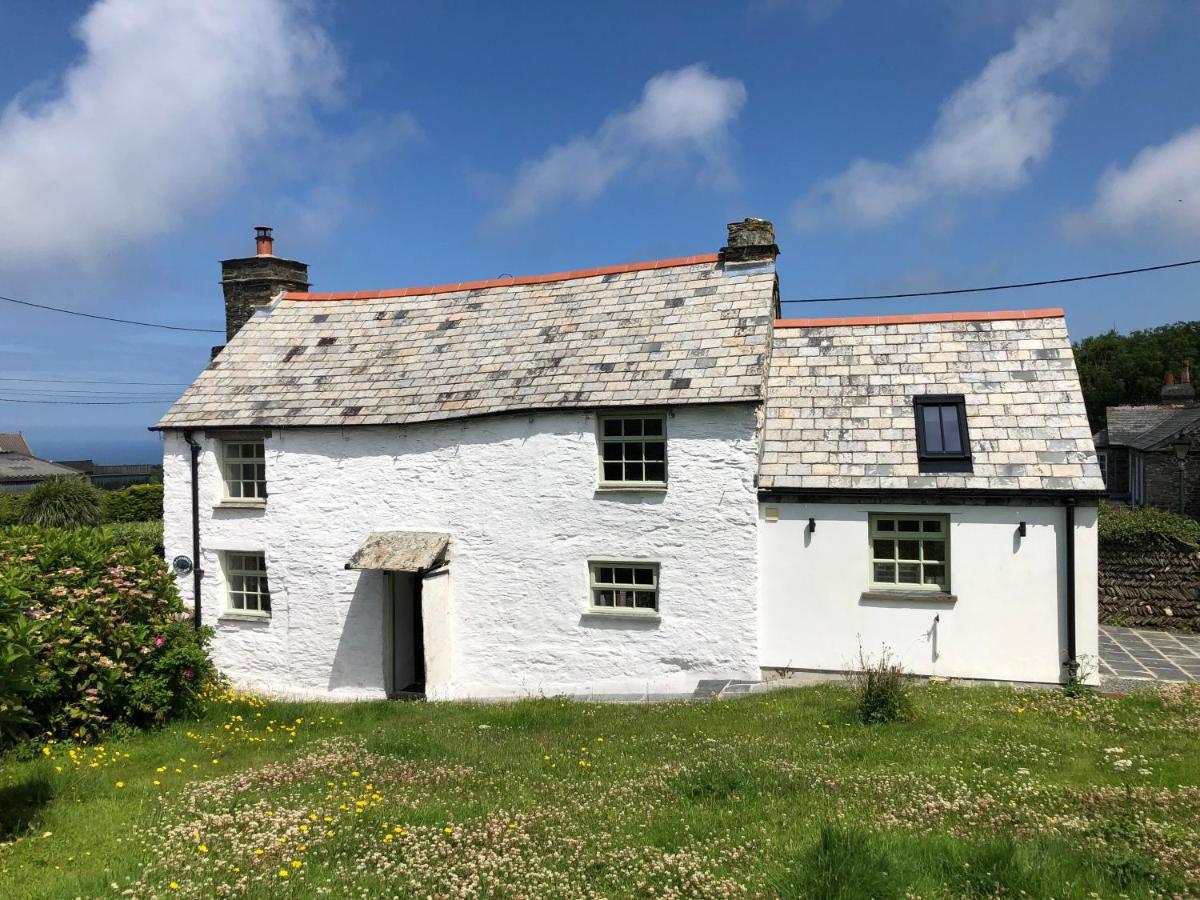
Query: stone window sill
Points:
[242, 617]
[626, 614]
[241, 504]
[910, 596]
[632, 488]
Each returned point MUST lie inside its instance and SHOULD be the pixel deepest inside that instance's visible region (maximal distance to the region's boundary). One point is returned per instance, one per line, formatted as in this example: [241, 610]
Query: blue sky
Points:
[900, 146]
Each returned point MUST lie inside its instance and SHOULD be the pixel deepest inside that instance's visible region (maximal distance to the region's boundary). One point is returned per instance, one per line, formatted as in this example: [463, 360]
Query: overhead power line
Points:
[86, 381]
[85, 402]
[75, 312]
[998, 287]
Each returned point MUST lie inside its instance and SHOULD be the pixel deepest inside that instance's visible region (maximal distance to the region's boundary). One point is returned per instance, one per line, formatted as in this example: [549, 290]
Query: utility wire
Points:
[998, 287]
[84, 402]
[85, 381]
[75, 312]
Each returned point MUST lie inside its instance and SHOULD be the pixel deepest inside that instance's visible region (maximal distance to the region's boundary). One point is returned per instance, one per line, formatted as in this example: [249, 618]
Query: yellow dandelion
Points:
[203, 848]
[120, 784]
[387, 838]
[259, 852]
[448, 830]
[296, 864]
[174, 885]
[283, 873]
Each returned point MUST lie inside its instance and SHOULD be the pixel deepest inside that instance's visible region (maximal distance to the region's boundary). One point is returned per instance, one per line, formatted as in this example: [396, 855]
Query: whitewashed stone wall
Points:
[1008, 622]
[517, 493]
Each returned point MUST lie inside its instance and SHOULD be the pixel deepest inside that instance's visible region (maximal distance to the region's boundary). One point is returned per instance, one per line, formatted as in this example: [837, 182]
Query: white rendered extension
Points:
[1007, 623]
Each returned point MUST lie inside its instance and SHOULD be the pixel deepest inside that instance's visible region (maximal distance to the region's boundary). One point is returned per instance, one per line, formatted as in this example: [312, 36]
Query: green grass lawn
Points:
[988, 792]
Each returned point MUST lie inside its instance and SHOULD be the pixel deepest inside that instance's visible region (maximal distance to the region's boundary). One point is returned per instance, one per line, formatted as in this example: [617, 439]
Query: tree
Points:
[1119, 370]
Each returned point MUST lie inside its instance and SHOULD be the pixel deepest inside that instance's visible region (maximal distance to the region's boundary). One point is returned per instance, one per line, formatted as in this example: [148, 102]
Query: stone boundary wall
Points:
[1150, 588]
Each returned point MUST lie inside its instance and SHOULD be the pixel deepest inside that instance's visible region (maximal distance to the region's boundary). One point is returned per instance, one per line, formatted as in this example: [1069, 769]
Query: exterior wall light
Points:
[812, 525]
[1021, 529]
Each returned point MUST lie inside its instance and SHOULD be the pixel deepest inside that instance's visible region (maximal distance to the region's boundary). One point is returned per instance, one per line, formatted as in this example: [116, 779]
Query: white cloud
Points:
[990, 133]
[171, 102]
[1159, 193]
[683, 117]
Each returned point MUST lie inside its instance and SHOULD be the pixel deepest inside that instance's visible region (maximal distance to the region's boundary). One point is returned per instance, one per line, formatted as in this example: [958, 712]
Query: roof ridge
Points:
[912, 318]
[507, 281]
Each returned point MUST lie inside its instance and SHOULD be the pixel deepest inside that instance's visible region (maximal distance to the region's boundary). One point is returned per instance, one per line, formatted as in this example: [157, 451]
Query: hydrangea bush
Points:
[112, 642]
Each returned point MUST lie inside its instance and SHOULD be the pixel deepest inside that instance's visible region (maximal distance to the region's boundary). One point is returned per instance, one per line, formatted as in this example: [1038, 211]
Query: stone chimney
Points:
[750, 241]
[253, 281]
[1182, 393]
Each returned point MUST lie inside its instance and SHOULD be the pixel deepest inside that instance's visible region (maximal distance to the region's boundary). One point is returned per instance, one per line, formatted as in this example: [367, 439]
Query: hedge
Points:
[1144, 528]
[136, 503]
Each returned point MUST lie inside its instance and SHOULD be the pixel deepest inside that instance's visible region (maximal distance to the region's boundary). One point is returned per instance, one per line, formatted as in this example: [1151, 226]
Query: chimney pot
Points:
[264, 243]
[1170, 378]
[751, 240]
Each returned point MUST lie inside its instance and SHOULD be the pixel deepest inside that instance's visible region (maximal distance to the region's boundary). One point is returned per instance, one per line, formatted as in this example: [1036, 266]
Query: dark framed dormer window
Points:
[943, 444]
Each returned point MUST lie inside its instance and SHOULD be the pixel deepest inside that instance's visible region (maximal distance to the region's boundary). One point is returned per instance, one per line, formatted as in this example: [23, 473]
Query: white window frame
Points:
[232, 470]
[922, 536]
[603, 440]
[247, 581]
[597, 586]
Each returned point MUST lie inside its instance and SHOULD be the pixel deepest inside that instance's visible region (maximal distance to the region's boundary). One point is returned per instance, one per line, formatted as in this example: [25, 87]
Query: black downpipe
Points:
[197, 572]
[1072, 662]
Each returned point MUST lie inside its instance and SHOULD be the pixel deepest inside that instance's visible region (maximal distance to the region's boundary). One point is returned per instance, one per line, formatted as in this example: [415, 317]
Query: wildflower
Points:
[283, 873]
[296, 864]
[203, 848]
[448, 830]
[174, 885]
[258, 852]
[120, 784]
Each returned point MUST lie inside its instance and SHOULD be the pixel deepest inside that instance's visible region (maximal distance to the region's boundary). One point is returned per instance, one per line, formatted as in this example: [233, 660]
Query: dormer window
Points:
[942, 441]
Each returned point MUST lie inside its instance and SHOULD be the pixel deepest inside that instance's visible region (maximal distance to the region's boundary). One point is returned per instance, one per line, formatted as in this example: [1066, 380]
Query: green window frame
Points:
[623, 587]
[247, 590]
[244, 469]
[633, 449]
[909, 552]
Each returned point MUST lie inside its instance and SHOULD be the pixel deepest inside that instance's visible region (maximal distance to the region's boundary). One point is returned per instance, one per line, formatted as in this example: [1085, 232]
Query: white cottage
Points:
[625, 481]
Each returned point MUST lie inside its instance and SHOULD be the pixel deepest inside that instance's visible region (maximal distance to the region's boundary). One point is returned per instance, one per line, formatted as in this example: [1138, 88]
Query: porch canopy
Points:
[400, 551]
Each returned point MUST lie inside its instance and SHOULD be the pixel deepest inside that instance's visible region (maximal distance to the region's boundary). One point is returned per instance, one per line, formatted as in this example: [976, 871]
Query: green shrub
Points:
[16, 662]
[146, 534]
[63, 502]
[136, 503]
[10, 509]
[1145, 528]
[880, 690]
[112, 642]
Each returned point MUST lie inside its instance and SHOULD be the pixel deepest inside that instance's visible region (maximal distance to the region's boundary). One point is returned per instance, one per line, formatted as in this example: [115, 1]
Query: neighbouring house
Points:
[626, 481]
[1150, 455]
[111, 478]
[20, 470]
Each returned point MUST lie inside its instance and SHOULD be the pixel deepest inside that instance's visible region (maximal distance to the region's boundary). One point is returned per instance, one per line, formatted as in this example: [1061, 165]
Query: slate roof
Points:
[683, 331]
[1150, 427]
[839, 410]
[14, 442]
[17, 467]
[1126, 423]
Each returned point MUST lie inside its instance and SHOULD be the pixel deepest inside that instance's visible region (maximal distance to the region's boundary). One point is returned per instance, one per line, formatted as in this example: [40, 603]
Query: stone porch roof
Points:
[839, 411]
[683, 331]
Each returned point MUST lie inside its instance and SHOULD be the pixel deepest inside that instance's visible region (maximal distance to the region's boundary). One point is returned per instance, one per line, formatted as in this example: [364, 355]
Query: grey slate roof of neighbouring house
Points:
[688, 331]
[1150, 427]
[19, 467]
[1127, 423]
[14, 442]
[839, 410]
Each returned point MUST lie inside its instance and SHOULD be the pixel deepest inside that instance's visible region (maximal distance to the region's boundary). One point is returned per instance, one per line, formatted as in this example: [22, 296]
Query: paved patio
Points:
[1143, 655]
